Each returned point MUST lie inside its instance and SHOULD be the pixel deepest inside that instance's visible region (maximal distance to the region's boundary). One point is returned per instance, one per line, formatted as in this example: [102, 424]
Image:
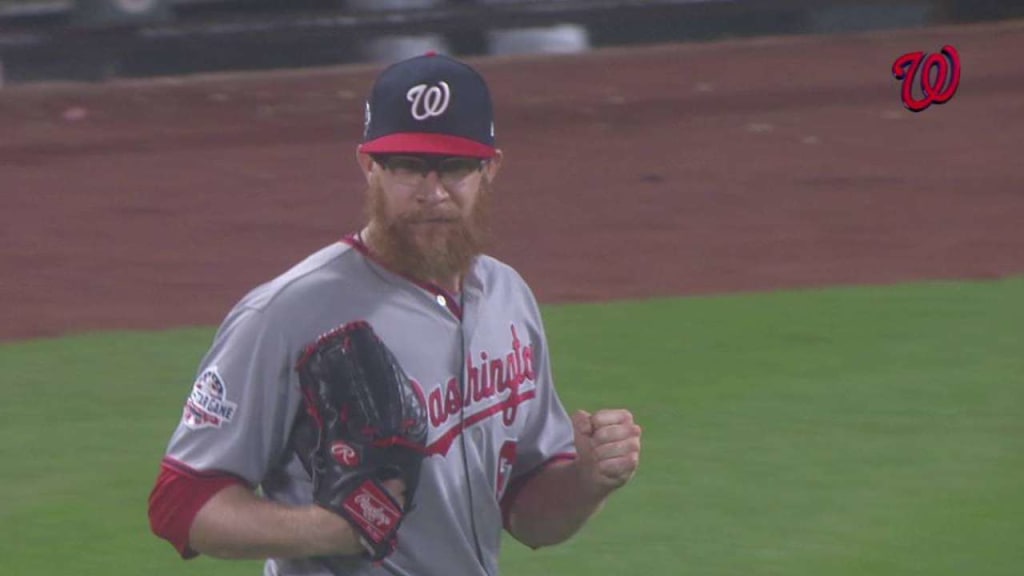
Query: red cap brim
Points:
[427, 143]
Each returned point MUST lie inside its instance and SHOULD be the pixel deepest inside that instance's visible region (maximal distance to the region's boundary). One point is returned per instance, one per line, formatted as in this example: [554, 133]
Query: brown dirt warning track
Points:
[671, 170]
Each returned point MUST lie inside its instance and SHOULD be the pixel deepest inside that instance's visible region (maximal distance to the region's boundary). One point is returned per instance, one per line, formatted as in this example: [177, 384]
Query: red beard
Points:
[432, 252]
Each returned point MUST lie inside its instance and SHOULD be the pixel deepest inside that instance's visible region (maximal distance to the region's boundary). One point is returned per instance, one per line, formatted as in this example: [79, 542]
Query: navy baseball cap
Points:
[430, 104]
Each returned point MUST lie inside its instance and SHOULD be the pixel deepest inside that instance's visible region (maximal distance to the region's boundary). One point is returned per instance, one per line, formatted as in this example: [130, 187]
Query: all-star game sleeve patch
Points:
[207, 405]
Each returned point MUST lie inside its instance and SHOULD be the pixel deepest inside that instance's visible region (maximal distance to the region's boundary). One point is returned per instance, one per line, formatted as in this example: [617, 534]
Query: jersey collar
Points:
[453, 302]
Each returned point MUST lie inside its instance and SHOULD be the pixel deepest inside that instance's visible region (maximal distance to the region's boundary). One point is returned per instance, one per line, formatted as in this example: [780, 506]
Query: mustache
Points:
[432, 215]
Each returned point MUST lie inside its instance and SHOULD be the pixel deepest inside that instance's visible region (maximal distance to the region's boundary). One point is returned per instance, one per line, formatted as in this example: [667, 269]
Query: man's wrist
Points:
[333, 535]
[589, 488]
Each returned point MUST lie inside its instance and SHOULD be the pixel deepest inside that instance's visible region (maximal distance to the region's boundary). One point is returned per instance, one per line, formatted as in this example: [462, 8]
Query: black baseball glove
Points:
[363, 423]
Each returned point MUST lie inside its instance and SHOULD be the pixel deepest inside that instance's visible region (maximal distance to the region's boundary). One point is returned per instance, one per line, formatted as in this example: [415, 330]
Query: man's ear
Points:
[494, 165]
[365, 163]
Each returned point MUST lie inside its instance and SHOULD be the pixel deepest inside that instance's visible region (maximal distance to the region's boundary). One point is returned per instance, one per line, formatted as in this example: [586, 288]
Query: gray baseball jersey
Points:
[480, 361]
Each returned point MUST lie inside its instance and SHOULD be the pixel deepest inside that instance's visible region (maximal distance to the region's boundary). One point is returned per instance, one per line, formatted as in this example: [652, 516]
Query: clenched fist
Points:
[608, 449]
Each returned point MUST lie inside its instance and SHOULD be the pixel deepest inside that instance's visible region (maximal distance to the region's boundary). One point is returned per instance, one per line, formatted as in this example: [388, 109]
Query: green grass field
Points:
[854, 431]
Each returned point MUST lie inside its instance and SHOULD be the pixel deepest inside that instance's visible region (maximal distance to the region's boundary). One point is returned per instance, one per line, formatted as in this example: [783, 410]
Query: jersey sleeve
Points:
[237, 416]
[234, 423]
[548, 435]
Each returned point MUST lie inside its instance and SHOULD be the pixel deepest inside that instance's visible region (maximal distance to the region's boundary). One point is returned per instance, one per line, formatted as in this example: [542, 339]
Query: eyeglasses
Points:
[412, 170]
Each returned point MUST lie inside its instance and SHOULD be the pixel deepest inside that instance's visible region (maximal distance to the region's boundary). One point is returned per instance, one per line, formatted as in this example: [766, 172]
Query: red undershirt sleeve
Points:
[517, 484]
[180, 492]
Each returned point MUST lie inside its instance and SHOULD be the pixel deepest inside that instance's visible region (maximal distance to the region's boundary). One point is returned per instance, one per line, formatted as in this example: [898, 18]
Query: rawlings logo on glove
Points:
[363, 423]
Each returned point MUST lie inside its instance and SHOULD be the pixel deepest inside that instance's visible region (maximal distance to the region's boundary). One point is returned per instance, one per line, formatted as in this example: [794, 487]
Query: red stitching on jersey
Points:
[354, 241]
[186, 470]
[444, 443]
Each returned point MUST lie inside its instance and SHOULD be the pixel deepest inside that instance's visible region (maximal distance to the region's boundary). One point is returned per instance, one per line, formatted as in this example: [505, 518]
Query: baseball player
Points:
[500, 451]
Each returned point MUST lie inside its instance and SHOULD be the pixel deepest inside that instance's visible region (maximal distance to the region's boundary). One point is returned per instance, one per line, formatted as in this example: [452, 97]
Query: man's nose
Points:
[433, 189]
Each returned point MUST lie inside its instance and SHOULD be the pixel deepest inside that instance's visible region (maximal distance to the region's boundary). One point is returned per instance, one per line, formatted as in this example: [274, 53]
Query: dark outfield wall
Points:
[94, 39]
